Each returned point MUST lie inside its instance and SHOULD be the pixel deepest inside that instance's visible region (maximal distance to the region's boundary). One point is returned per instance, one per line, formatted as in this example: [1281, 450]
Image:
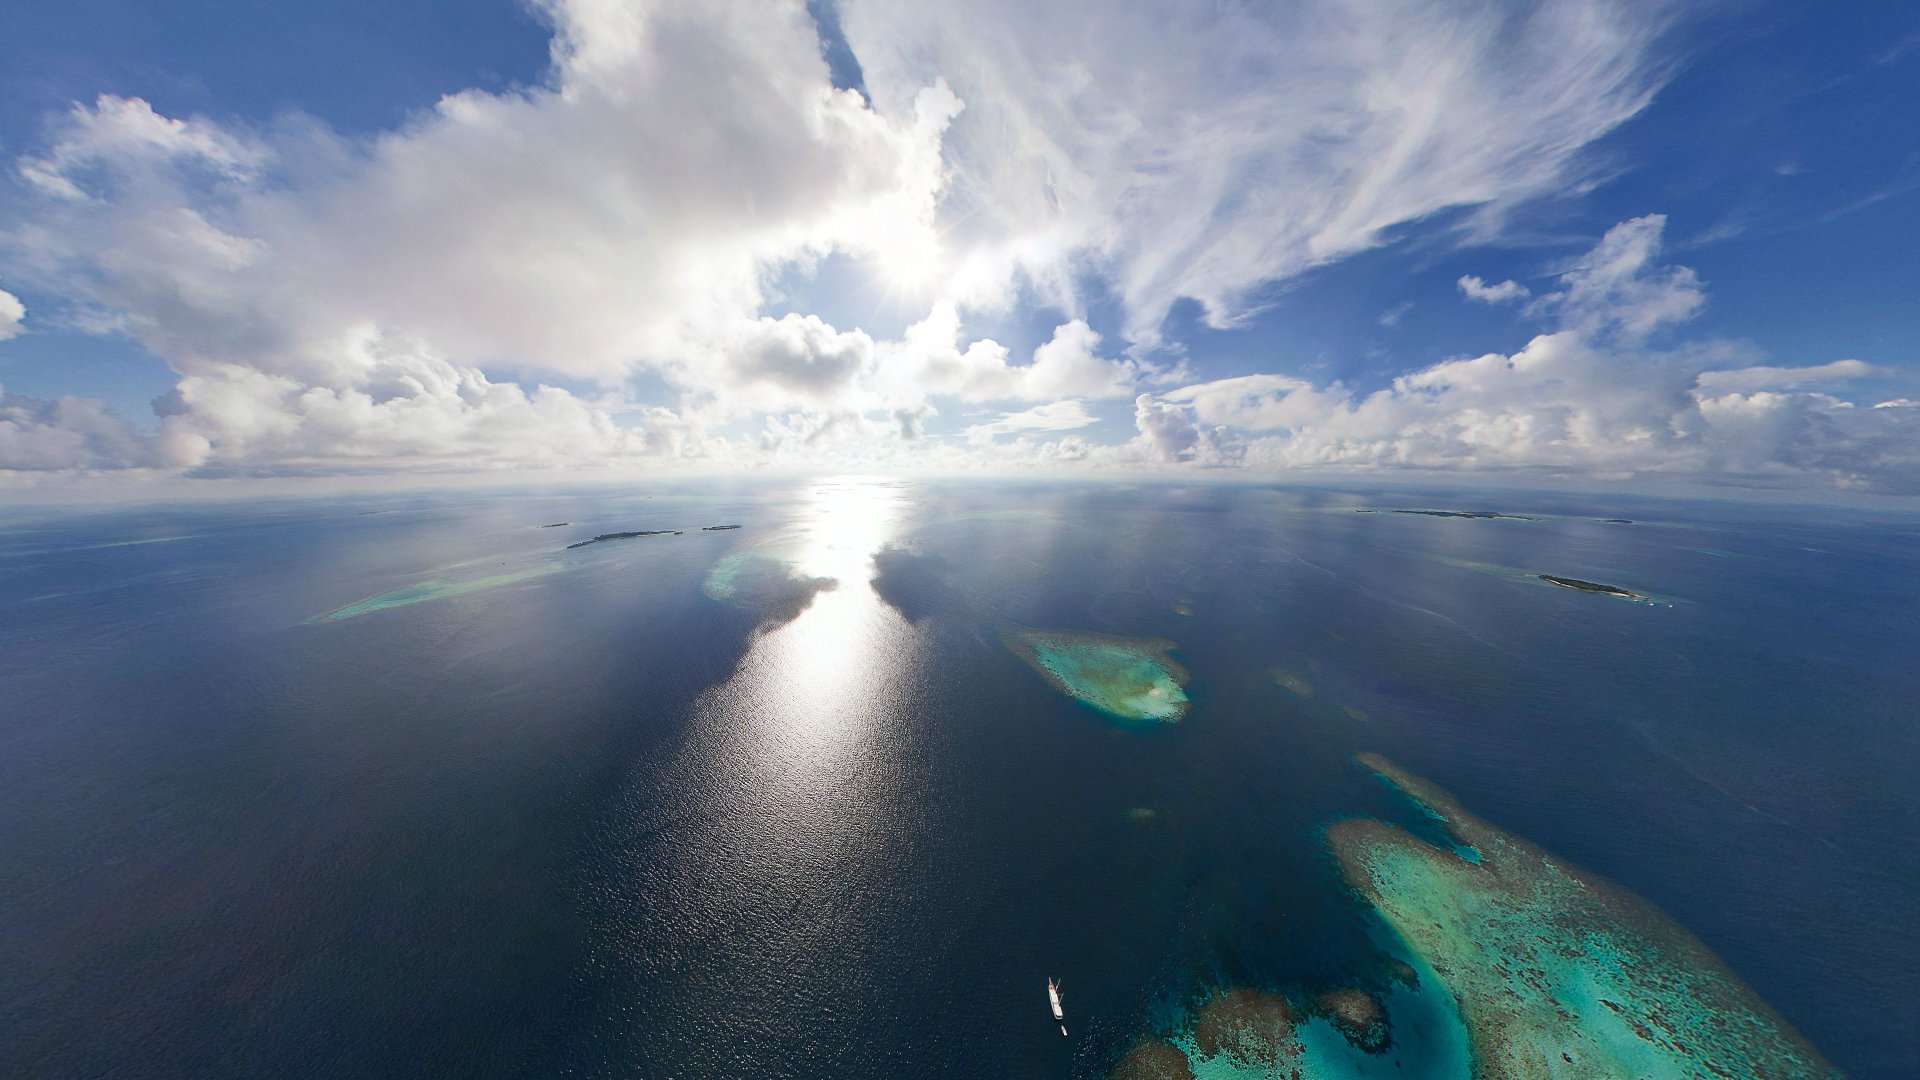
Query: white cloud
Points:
[1053, 416]
[621, 218]
[1764, 377]
[1170, 435]
[928, 361]
[66, 433]
[405, 301]
[1476, 289]
[1201, 151]
[1255, 402]
[1617, 290]
[13, 314]
[1588, 398]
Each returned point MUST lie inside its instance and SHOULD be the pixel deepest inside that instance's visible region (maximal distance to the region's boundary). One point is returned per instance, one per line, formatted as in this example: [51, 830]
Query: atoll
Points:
[1131, 679]
[1555, 971]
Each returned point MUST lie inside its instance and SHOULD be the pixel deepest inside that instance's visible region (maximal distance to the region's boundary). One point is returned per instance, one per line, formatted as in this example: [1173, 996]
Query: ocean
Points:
[406, 785]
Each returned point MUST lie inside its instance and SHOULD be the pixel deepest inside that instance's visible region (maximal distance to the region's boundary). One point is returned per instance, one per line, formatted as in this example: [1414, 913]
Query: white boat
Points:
[1053, 999]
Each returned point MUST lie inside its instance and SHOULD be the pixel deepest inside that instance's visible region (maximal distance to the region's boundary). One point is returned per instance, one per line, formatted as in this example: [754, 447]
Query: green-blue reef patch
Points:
[1130, 679]
[1409, 1030]
[1512, 966]
[1557, 973]
[433, 589]
[764, 581]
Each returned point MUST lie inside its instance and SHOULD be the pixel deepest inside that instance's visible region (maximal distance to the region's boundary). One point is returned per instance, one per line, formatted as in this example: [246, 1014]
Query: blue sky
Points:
[247, 240]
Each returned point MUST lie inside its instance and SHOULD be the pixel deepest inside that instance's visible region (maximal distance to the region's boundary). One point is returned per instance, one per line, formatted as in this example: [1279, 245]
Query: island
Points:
[1590, 586]
[1478, 515]
[556, 524]
[603, 537]
[1556, 971]
[1131, 680]
[717, 528]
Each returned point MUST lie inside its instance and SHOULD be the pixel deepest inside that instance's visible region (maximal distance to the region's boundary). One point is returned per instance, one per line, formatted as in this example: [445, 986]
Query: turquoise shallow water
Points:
[1129, 681]
[600, 821]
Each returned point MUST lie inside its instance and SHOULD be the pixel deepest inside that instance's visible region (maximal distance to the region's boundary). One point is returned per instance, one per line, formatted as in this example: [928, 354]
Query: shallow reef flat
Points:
[1239, 1033]
[1557, 973]
[433, 589]
[1130, 679]
[763, 580]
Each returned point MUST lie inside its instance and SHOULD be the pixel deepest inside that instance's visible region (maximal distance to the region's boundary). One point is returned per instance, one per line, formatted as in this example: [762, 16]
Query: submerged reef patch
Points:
[1556, 972]
[1358, 1016]
[1247, 1027]
[1243, 1032]
[1153, 1059]
[1131, 679]
[762, 581]
[432, 589]
[1293, 682]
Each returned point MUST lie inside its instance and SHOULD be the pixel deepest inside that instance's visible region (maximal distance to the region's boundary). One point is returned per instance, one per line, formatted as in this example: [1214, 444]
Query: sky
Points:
[1659, 245]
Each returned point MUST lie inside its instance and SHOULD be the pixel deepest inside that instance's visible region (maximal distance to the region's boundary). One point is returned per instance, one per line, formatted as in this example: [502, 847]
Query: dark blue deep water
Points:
[604, 811]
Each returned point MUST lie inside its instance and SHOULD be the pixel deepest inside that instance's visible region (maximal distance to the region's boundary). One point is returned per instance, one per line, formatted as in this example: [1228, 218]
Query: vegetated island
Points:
[717, 528]
[1591, 586]
[556, 524]
[1130, 679]
[1478, 515]
[603, 537]
[1556, 971]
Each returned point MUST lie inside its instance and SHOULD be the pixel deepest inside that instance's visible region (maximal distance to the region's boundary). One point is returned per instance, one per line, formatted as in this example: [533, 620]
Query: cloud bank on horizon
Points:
[610, 268]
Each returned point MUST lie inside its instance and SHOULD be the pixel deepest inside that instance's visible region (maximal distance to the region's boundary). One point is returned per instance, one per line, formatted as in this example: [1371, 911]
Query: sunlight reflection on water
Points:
[796, 827]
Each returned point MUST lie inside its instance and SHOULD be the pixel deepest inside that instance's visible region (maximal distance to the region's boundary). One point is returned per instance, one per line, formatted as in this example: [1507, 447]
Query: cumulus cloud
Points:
[770, 362]
[13, 314]
[929, 361]
[1476, 289]
[1587, 398]
[1201, 151]
[1618, 289]
[487, 284]
[621, 218]
[67, 433]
